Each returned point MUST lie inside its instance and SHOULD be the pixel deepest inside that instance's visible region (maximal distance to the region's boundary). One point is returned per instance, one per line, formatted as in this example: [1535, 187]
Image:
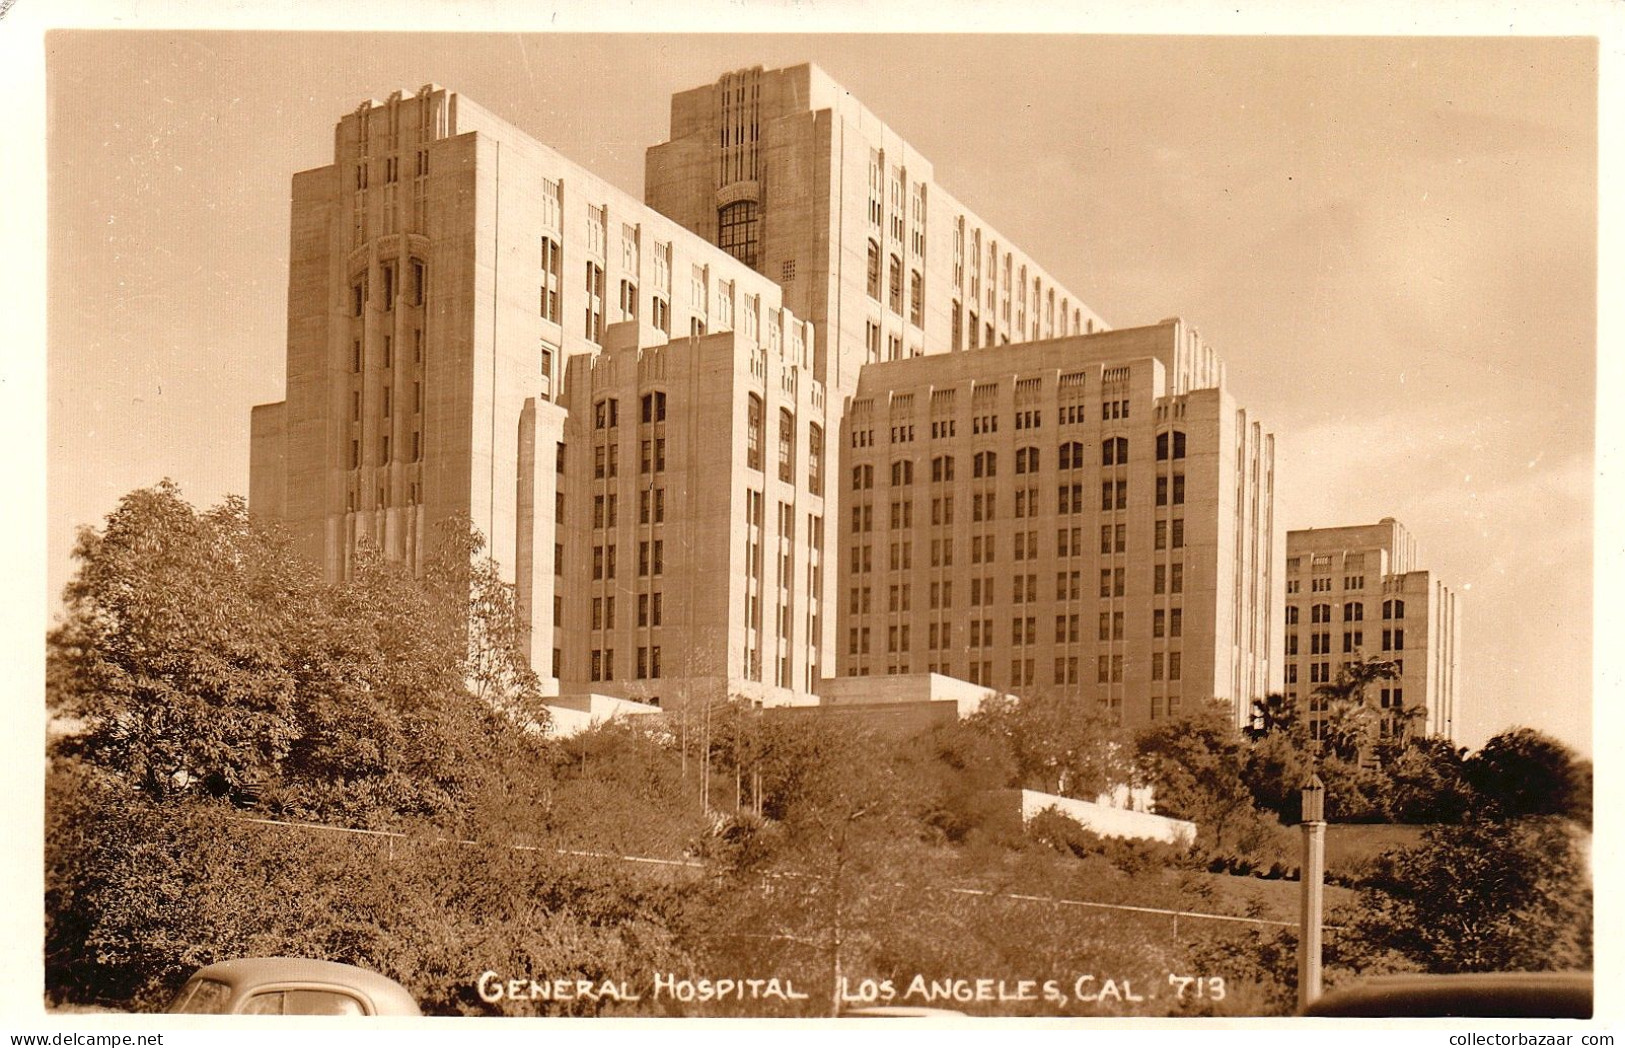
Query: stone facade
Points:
[796, 176]
[638, 405]
[462, 300]
[1357, 591]
[1061, 518]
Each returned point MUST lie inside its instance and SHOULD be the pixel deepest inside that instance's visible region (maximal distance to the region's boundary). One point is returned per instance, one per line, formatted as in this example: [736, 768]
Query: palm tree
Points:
[1352, 727]
[1274, 712]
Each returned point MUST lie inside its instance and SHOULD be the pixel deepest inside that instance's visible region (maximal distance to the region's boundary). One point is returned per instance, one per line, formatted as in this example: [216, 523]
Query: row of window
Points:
[1320, 642]
[1324, 561]
[1069, 456]
[1165, 623]
[603, 611]
[606, 416]
[1025, 546]
[894, 285]
[550, 279]
[603, 663]
[416, 290]
[1166, 579]
[1353, 611]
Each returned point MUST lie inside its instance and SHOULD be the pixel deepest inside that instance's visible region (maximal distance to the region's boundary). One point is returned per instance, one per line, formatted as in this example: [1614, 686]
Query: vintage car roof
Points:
[1501, 995]
[245, 972]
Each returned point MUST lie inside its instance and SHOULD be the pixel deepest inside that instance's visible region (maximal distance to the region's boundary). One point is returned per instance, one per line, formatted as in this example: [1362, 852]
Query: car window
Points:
[322, 1002]
[202, 997]
[302, 1002]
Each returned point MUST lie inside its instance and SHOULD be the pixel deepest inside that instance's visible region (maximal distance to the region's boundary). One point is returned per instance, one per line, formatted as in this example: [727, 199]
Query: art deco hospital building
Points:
[800, 414]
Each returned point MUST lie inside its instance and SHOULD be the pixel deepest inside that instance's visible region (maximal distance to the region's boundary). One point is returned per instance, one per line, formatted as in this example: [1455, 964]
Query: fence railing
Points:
[985, 893]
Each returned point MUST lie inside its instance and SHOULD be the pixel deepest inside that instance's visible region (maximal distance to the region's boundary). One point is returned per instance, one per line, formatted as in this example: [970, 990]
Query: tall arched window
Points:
[753, 433]
[738, 227]
[1114, 451]
[815, 459]
[1026, 460]
[1071, 455]
[787, 446]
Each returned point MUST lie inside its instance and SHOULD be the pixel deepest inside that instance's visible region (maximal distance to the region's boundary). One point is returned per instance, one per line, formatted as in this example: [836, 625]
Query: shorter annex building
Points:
[1358, 591]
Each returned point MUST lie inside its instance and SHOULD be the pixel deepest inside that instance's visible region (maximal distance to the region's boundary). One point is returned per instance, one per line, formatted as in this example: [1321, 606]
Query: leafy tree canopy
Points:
[200, 652]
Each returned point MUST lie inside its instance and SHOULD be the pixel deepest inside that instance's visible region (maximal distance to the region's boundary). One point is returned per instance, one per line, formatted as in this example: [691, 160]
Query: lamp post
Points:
[1311, 876]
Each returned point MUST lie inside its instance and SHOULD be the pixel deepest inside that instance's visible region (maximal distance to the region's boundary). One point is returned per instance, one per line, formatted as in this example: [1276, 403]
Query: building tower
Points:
[1089, 517]
[477, 326]
[1356, 591]
[791, 174]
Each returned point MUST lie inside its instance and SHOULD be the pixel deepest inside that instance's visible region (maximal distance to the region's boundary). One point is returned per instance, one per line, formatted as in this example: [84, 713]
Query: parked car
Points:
[1480, 995]
[291, 986]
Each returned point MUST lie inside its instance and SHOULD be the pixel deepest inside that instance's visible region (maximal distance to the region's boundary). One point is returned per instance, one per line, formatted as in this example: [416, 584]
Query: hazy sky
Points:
[1391, 242]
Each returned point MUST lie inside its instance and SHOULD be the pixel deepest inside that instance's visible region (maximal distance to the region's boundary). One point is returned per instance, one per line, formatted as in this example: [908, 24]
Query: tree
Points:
[825, 876]
[200, 652]
[1195, 764]
[1429, 781]
[175, 650]
[1274, 713]
[1058, 745]
[1352, 727]
[1523, 772]
[1483, 896]
[961, 770]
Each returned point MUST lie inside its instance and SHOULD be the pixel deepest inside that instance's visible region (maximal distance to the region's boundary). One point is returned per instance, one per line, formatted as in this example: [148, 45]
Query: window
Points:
[1026, 460]
[1114, 451]
[787, 446]
[753, 433]
[815, 460]
[629, 300]
[420, 283]
[984, 464]
[894, 285]
[594, 329]
[874, 272]
[916, 299]
[1170, 445]
[1071, 455]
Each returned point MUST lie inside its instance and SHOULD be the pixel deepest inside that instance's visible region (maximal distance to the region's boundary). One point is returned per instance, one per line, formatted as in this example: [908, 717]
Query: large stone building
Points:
[637, 402]
[1358, 592]
[1090, 517]
[791, 173]
[478, 326]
